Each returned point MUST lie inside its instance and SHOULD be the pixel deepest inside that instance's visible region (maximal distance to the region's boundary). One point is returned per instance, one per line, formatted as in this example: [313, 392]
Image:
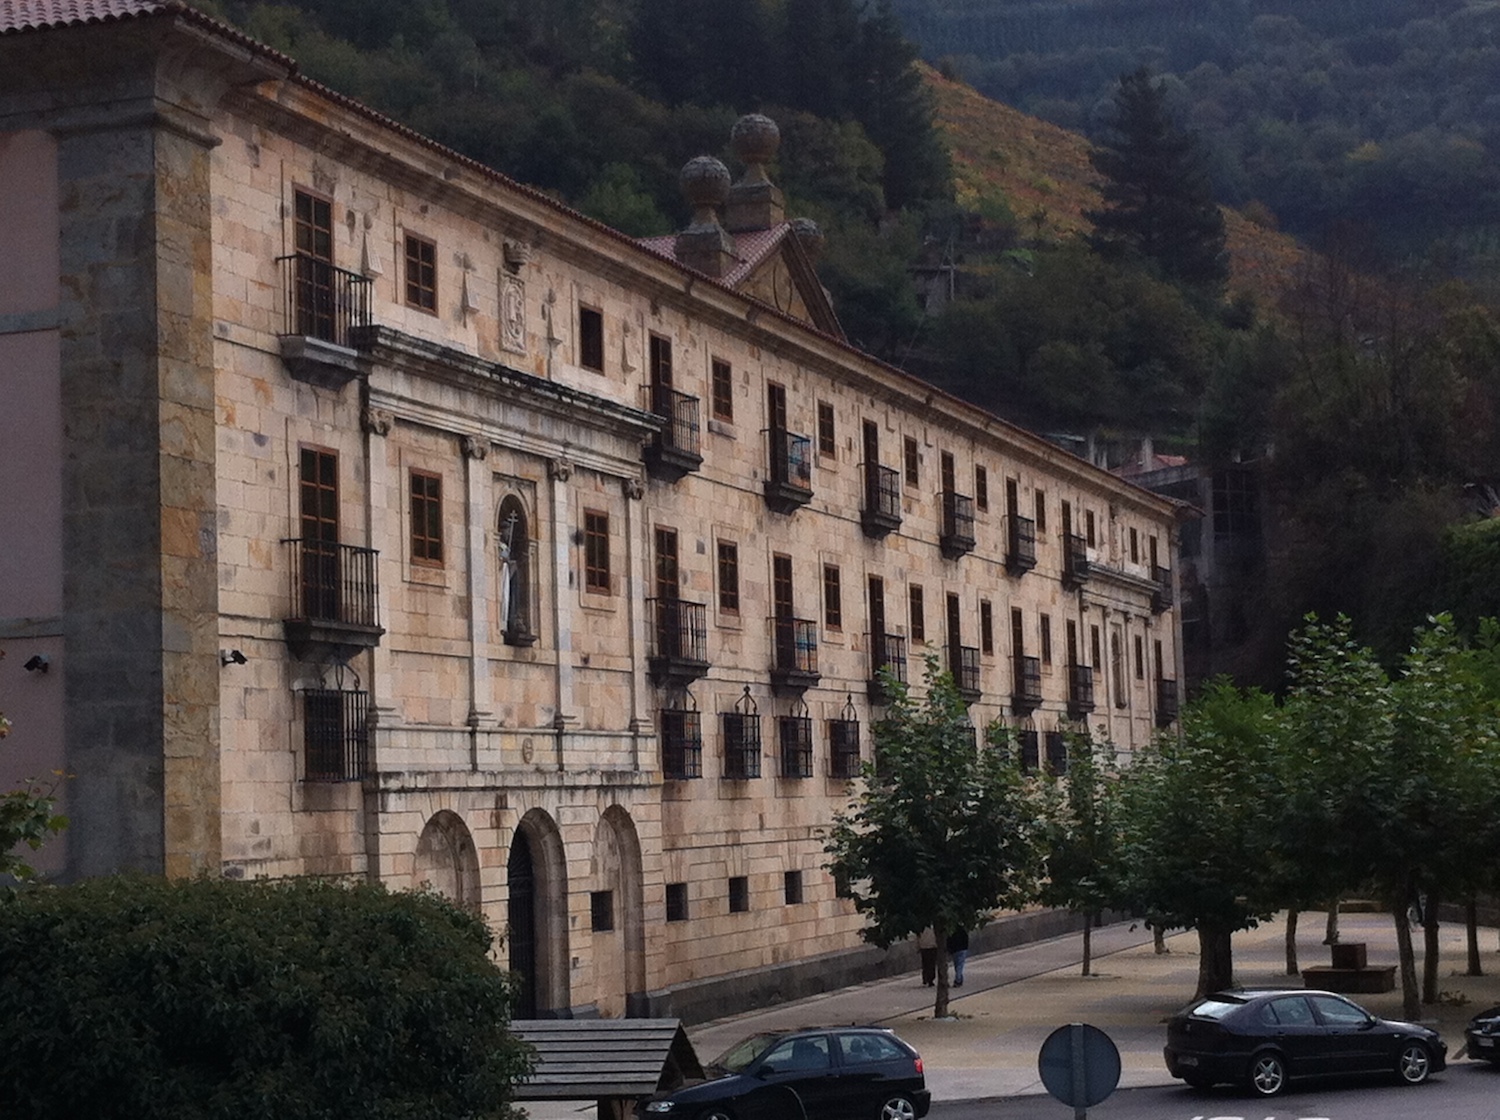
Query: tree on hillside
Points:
[1158, 200]
[941, 831]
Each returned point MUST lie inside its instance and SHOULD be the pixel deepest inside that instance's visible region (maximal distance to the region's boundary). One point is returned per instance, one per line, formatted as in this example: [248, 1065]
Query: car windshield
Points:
[741, 1054]
[1215, 1009]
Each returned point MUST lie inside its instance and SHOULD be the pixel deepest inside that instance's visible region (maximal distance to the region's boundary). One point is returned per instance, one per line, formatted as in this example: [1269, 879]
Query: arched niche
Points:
[516, 590]
[446, 860]
[620, 953]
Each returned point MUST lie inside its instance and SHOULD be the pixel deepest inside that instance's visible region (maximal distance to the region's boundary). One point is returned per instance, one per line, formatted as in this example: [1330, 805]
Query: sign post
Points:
[1080, 1066]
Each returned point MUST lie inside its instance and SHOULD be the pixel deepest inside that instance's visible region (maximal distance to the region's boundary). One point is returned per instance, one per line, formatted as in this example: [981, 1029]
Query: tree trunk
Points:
[940, 999]
[1431, 950]
[1291, 943]
[1411, 1006]
[1471, 924]
[1215, 959]
[1088, 944]
[1331, 930]
[1159, 939]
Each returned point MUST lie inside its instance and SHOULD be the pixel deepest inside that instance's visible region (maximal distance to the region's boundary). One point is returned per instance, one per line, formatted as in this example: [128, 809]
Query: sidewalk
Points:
[1012, 999]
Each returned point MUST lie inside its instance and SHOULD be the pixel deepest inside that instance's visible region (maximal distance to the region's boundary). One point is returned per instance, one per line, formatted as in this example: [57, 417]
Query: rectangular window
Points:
[827, 440]
[739, 894]
[677, 902]
[1140, 659]
[842, 888]
[721, 388]
[917, 618]
[1088, 527]
[661, 362]
[1040, 506]
[833, 598]
[591, 339]
[596, 551]
[981, 488]
[986, 628]
[312, 226]
[729, 577]
[1135, 547]
[1046, 639]
[602, 911]
[792, 887]
[911, 460]
[426, 518]
[421, 273]
[1095, 659]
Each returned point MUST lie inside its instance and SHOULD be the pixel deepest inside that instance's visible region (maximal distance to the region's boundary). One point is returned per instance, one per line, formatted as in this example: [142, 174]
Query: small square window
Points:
[426, 518]
[739, 894]
[833, 598]
[721, 386]
[729, 577]
[917, 614]
[827, 440]
[677, 902]
[421, 273]
[981, 488]
[792, 885]
[596, 551]
[911, 460]
[591, 339]
[602, 910]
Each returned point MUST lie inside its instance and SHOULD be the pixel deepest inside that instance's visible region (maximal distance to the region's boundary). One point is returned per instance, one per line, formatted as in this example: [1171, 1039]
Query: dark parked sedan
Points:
[834, 1073]
[1263, 1039]
[1483, 1036]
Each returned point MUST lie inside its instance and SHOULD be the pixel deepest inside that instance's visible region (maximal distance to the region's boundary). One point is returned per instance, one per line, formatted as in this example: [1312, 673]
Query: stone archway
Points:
[537, 918]
[446, 860]
[620, 953]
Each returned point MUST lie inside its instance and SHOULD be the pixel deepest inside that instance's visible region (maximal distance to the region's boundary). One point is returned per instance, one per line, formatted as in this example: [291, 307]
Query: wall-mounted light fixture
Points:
[37, 664]
[231, 657]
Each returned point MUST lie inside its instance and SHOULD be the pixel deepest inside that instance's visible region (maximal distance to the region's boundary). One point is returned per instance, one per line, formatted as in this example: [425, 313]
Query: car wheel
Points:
[715, 1114]
[1267, 1074]
[1413, 1063]
[898, 1108]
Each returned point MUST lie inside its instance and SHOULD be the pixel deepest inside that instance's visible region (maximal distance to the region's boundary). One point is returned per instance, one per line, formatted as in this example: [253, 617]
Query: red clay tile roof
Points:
[25, 15]
[749, 249]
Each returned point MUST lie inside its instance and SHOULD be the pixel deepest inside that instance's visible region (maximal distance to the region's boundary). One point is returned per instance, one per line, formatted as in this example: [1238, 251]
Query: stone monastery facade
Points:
[369, 514]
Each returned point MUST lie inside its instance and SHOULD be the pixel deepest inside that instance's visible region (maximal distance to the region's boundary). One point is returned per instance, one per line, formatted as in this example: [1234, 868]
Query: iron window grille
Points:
[336, 736]
[843, 743]
[742, 741]
[796, 736]
[681, 743]
[1027, 749]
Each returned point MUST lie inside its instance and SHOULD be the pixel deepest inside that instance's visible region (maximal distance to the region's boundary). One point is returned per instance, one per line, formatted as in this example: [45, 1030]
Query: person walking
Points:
[958, 949]
[927, 944]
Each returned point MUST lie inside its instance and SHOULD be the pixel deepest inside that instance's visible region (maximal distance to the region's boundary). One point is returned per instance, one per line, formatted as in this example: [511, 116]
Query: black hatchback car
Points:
[1264, 1039]
[823, 1073]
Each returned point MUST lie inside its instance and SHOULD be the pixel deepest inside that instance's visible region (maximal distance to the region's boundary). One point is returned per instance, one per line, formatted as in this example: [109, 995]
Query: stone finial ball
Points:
[809, 235]
[755, 139]
[705, 181]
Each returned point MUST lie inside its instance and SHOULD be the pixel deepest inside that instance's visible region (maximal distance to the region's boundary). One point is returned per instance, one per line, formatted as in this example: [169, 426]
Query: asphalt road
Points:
[1466, 1091]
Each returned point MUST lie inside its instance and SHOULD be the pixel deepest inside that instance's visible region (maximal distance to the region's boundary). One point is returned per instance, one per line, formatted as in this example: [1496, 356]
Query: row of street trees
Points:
[1359, 780]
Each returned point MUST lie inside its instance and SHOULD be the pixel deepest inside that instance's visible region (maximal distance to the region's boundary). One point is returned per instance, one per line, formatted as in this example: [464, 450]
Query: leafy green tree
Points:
[1196, 813]
[296, 1000]
[941, 831]
[1158, 200]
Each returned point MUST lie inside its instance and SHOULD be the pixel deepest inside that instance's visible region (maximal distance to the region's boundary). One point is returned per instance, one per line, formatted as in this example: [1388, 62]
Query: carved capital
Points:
[377, 421]
[560, 469]
[476, 447]
[635, 489]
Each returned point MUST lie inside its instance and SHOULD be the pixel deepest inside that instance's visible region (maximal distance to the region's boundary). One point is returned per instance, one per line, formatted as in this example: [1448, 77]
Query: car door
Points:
[1297, 1032]
[804, 1064]
[1354, 1045]
[873, 1067]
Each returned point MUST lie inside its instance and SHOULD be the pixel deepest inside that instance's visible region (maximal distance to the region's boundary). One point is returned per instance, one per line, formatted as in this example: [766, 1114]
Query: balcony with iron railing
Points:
[677, 449]
[796, 740]
[1162, 597]
[1166, 702]
[958, 525]
[335, 734]
[1080, 690]
[322, 309]
[335, 609]
[788, 485]
[678, 653]
[1026, 686]
[881, 514]
[1076, 564]
[681, 743]
[796, 654]
[888, 653]
[963, 663]
[1020, 544]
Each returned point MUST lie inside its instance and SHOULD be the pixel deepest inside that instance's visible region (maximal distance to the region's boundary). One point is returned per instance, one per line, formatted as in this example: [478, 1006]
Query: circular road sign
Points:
[1079, 1065]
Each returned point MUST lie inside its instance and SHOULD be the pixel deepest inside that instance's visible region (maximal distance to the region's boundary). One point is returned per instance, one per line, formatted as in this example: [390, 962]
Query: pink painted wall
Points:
[31, 581]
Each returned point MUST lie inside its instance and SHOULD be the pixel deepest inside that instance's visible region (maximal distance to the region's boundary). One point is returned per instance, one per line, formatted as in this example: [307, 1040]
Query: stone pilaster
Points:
[476, 519]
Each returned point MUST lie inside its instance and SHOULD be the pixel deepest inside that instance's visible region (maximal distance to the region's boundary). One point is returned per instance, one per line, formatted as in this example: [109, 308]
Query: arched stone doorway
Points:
[446, 861]
[620, 952]
[537, 918]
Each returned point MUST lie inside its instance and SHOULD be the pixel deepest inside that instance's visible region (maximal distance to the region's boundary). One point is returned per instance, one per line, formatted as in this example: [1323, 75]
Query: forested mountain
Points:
[1377, 112]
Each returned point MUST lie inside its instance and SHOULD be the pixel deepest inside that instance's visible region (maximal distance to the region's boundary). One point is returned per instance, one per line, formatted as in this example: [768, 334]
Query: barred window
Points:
[681, 743]
[421, 273]
[843, 748]
[741, 745]
[596, 551]
[796, 746]
[426, 518]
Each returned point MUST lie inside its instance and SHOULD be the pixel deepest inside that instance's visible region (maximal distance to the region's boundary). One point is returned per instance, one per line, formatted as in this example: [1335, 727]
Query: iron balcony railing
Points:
[1026, 687]
[333, 583]
[1076, 564]
[682, 435]
[681, 743]
[796, 735]
[1020, 544]
[796, 646]
[958, 524]
[888, 652]
[882, 509]
[963, 663]
[791, 458]
[843, 748]
[679, 632]
[1057, 752]
[741, 745]
[1080, 690]
[1166, 702]
[322, 301]
[335, 734]
[1161, 598]
[1026, 747]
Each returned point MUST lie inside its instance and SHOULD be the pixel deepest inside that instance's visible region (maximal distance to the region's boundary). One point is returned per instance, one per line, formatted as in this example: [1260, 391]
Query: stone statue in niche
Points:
[512, 314]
